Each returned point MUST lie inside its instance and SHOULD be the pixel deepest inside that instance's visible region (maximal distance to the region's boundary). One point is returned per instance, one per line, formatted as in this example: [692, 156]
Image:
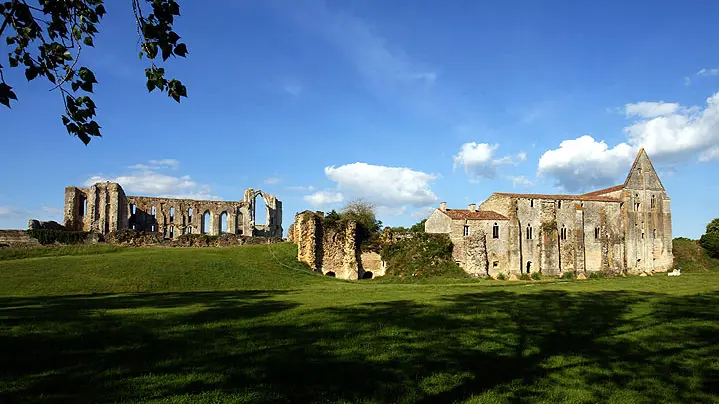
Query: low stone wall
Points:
[133, 238]
[16, 238]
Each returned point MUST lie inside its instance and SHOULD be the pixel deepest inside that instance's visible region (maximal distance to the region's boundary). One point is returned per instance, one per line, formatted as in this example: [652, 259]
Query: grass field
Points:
[250, 325]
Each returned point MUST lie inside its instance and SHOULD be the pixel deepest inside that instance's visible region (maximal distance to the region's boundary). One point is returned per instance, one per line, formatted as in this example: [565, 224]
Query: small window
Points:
[529, 266]
[596, 232]
[133, 209]
[83, 207]
[172, 214]
[529, 232]
[495, 264]
[172, 231]
[642, 235]
[495, 231]
[563, 233]
[152, 228]
[531, 203]
[559, 204]
[466, 231]
[654, 233]
[152, 212]
[654, 202]
[637, 205]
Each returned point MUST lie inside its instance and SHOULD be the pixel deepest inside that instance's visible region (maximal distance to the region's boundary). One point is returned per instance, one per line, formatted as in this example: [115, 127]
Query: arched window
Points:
[133, 209]
[529, 266]
[654, 201]
[223, 222]
[495, 231]
[152, 211]
[563, 233]
[205, 227]
[172, 214]
[529, 232]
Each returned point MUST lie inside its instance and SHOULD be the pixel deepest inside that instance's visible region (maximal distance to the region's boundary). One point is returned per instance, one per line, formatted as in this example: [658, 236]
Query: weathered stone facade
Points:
[104, 208]
[625, 228]
[333, 252]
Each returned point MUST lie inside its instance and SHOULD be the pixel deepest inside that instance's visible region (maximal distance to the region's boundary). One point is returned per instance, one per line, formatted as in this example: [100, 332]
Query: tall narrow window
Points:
[529, 232]
[559, 204]
[172, 214]
[466, 231]
[172, 232]
[654, 201]
[563, 233]
[636, 206]
[654, 233]
[495, 231]
[596, 232]
[531, 203]
[133, 209]
[83, 207]
[152, 211]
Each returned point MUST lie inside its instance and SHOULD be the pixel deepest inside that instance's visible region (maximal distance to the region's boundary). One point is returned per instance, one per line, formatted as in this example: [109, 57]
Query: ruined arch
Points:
[223, 227]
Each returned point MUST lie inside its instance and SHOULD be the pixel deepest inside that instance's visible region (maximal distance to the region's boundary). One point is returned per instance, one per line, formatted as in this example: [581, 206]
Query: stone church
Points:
[624, 228]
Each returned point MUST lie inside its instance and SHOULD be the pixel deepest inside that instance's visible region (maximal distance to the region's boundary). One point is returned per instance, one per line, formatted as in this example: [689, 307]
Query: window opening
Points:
[495, 231]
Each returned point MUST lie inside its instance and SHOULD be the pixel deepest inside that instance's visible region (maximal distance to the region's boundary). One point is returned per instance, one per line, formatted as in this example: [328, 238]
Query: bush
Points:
[48, 236]
[567, 275]
[710, 242]
[596, 275]
[425, 255]
[525, 277]
[501, 277]
[536, 276]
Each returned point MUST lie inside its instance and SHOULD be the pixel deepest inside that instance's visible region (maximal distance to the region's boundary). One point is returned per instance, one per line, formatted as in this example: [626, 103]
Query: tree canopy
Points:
[710, 240]
[47, 39]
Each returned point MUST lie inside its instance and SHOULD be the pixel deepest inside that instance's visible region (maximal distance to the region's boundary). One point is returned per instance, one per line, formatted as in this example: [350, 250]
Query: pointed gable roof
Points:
[642, 161]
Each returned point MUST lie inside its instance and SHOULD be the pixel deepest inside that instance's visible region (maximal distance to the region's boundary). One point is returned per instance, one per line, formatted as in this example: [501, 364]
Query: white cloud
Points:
[272, 180]
[520, 181]
[383, 186]
[423, 213]
[583, 163]
[324, 198]
[678, 134]
[478, 160]
[710, 154]
[651, 109]
[708, 72]
[147, 181]
[669, 132]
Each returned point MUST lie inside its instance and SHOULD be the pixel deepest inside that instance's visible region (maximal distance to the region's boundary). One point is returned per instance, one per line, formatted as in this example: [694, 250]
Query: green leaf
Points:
[67, 56]
[100, 10]
[181, 50]
[88, 41]
[6, 94]
[31, 72]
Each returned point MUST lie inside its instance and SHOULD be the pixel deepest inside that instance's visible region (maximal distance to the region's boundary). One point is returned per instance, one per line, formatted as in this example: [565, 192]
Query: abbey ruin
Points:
[625, 228]
[104, 208]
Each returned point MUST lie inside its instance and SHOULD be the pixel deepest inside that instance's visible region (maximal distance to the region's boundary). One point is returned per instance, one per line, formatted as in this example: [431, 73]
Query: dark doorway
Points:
[529, 266]
[367, 275]
[330, 274]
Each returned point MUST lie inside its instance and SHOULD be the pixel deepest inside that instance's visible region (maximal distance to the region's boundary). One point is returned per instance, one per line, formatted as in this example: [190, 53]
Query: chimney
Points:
[472, 207]
[443, 206]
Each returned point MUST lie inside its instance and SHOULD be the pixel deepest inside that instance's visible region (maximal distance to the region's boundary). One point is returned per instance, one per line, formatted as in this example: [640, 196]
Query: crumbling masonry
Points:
[104, 208]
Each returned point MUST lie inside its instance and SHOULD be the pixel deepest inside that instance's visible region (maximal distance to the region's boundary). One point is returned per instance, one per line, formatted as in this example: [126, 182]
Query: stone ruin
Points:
[333, 252]
[104, 208]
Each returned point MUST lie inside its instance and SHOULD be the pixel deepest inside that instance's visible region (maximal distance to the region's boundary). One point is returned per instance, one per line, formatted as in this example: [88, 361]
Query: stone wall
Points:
[16, 238]
[104, 207]
[333, 252]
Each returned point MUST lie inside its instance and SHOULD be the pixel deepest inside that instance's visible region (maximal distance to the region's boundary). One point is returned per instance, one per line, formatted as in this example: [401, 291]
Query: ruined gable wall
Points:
[437, 222]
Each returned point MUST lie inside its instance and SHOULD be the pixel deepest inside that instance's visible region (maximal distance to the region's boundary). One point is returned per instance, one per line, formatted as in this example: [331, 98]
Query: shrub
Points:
[597, 275]
[567, 275]
[501, 277]
[425, 255]
[710, 242]
[525, 277]
[48, 236]
[536, 276]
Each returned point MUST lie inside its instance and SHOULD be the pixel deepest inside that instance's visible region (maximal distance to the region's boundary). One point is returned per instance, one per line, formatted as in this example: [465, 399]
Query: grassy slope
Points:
[233, 325]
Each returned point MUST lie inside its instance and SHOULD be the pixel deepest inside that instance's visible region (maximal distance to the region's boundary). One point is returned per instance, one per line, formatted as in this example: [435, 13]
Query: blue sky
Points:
[403, 104]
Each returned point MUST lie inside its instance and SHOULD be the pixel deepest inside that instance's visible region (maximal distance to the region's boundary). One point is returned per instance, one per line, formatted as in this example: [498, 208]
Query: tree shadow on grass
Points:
[255, 346]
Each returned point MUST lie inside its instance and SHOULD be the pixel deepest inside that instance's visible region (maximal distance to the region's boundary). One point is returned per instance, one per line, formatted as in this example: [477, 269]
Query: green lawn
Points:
[250, 325]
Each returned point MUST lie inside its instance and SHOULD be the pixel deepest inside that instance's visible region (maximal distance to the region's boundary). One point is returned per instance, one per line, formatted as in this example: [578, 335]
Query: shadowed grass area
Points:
[211, 327]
